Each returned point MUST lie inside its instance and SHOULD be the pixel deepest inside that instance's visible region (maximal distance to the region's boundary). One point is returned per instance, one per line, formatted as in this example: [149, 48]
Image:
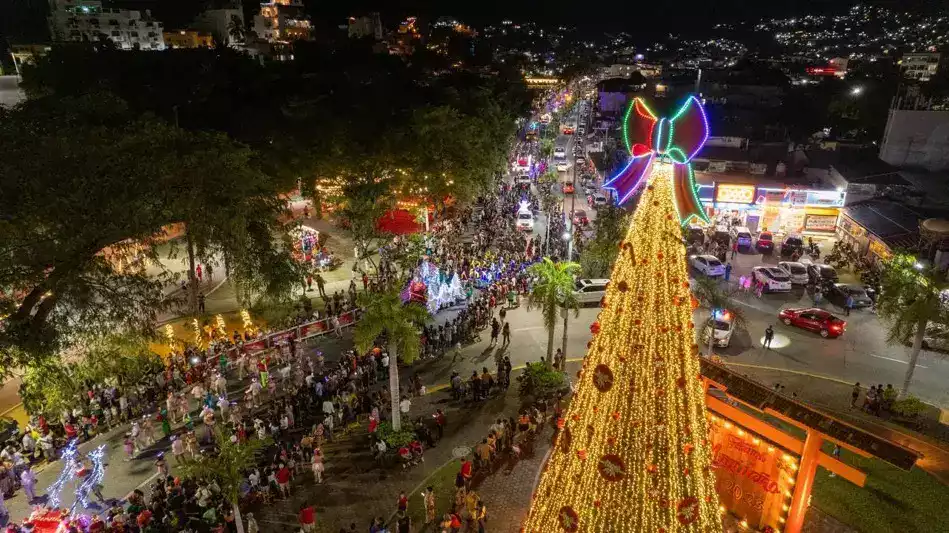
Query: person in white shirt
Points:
[405, 405]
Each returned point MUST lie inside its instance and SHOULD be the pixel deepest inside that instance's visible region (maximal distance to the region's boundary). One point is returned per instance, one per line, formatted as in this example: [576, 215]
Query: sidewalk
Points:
[833, 397]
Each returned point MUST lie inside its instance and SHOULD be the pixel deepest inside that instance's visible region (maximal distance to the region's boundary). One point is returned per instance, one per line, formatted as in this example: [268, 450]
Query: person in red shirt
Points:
[283, 480]
[466, 472]
[307, 517]
[403, 501]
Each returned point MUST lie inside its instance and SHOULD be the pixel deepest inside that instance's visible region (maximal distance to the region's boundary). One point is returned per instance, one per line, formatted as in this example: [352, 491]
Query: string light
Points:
[68, 458]
[92, 479]
[633, 456]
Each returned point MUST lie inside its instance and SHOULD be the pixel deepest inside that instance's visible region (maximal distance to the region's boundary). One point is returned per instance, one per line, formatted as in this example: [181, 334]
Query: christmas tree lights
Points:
[633, 455]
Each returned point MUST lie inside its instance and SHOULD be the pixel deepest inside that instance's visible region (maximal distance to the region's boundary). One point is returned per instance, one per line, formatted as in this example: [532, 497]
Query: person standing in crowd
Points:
[768, 336]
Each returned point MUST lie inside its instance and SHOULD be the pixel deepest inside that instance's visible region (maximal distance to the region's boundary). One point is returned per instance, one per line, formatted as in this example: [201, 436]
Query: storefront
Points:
[779, 210]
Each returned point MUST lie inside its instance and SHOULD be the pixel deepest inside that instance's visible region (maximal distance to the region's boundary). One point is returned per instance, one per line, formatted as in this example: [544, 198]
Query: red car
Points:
[580, 217]
[568, 187]
[814, 319]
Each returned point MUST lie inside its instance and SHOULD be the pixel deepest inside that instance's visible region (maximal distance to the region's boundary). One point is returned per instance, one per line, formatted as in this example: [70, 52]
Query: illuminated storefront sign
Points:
[826, 198]
[754, 478]
[735, 194]
[820, 222]
[879, 249]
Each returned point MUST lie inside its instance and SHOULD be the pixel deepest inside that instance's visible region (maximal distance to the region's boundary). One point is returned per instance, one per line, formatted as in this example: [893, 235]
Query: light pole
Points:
[569, 236]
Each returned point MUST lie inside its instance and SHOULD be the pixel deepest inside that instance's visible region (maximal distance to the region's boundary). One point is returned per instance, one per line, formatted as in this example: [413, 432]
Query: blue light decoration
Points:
[674, 140]
[440, 288]
[68, 458]
[94, 478]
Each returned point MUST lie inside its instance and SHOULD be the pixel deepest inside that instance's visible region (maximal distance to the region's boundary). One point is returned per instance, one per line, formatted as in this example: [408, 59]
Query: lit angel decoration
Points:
[674, 140]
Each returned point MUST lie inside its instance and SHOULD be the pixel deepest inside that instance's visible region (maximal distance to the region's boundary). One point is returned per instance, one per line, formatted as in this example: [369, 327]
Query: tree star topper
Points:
[673, 140]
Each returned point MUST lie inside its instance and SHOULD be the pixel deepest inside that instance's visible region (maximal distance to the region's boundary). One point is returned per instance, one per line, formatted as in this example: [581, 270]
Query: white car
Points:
[590, 291]
[560, 152]
[775, 279]
[708, 265]
[723, 325]
[599, 200]
[562, 166]
[525, 220]
[524, 179]
[796, 271]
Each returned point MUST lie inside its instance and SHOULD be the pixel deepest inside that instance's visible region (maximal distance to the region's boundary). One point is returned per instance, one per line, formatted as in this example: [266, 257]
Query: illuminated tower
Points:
[633, 454]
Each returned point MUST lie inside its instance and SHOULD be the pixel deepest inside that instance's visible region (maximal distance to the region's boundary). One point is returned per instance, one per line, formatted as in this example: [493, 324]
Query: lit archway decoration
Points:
[676, 140]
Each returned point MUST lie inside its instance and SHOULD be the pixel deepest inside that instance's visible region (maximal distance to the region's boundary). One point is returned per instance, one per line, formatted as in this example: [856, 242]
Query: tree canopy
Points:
[89, 189]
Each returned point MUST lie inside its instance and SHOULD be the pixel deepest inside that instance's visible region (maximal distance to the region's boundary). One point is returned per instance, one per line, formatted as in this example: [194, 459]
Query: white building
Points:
[920, 66]
[282, 21]
[87, 20]
[366, 26]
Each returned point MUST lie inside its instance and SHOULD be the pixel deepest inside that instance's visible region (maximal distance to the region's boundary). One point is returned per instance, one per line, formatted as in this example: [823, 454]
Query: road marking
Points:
[895, 360]
[528, 329]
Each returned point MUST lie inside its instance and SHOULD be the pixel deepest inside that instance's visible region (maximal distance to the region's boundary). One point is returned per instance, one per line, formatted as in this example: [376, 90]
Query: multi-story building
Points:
[920, 66]
[366, 26]
[282, 21]
[88, 20]
[188, 39]
[225, 24]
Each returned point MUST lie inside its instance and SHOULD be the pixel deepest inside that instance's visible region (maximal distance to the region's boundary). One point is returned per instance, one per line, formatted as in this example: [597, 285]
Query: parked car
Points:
[819, 274]
[723, 325]
[774, 279]
[708, 265]
[741, 236]
[525, 220]
[935, 339]
[568, 187]
[590, 291]
[580, 217]
[796, 271]
[839, 291]
[814, 319]
[696, 234]
[792, 243]
[765, 242]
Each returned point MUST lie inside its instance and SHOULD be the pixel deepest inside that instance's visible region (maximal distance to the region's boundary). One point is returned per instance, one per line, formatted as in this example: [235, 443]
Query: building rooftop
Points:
[616, 85]
[863, 167]
[894, 223]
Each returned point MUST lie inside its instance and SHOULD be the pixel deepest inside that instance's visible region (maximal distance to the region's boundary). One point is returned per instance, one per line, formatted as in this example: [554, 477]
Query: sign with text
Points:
[735, 194]
[754, 478]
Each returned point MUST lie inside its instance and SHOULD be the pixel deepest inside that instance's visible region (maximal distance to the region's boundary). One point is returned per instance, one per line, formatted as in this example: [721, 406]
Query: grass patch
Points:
[892, 500]
[442, 482]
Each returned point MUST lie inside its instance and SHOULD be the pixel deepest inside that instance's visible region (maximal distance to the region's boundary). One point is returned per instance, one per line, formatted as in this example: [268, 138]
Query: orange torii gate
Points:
[759, 478]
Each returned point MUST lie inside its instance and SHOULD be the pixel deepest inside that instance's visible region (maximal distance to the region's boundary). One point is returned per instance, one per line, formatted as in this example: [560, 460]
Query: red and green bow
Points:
[675, 140]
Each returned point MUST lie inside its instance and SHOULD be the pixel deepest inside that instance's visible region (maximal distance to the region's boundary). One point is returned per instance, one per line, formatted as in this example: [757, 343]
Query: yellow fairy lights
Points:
[633, 455]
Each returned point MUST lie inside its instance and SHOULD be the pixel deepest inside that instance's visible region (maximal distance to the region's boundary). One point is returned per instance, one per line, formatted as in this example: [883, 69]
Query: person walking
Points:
[848, 305]
[768, 336]
[429, 498]
[854, 395]
[28, 481]
[321, 286]
[506, 334]
[495, 328]
[307, 518]
[734, 249]
[317, 464]
[728, 271]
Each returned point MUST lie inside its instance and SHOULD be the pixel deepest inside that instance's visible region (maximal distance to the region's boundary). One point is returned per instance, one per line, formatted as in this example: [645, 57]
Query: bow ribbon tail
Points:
[628, 180]
[686, 196]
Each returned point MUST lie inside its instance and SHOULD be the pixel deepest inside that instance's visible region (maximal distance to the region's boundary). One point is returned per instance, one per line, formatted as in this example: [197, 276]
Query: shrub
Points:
[394, 439]
[909, 407]
[540, 381]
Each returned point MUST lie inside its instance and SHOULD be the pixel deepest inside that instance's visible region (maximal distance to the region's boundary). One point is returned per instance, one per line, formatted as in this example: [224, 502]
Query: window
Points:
[115, 33]
[134, 34]
[113, 22]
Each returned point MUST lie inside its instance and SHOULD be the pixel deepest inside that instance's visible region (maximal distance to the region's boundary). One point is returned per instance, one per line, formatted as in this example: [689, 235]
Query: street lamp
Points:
[566, 236]
[856, 91]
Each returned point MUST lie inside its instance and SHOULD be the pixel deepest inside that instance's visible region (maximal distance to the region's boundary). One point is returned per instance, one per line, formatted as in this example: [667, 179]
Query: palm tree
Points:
[227, 468]
[712, 296]
[911, 298]
[386, 314]
[552, 291]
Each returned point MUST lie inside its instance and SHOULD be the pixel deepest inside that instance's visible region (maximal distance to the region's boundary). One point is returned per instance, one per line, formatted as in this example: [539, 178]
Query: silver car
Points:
[796, 271]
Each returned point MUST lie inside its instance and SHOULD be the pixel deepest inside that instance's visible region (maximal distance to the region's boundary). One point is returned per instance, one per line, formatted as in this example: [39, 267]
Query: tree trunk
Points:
[550, 343]
[238, 521]
[914, 354]
[394, 392]
[28, 303]
[192, 279]
[566, 315]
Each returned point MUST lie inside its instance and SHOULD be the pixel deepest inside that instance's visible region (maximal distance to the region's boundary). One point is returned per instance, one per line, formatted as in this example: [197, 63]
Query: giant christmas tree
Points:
[633, 455]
